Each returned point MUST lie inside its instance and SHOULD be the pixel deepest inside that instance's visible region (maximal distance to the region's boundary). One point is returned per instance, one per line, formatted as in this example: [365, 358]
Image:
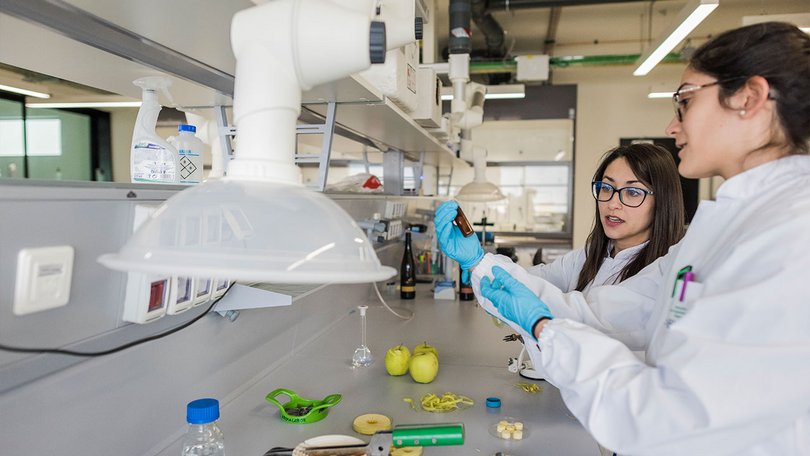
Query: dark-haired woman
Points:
[639, 216]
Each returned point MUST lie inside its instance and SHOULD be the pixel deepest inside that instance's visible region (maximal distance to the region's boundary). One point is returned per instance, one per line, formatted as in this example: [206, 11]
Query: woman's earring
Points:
[742, 113]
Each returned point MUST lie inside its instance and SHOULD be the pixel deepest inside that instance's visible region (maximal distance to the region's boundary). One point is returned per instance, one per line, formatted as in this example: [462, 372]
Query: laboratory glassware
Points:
[362, 355]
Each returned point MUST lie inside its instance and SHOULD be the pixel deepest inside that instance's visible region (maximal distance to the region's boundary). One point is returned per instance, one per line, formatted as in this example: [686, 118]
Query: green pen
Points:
[680, 275]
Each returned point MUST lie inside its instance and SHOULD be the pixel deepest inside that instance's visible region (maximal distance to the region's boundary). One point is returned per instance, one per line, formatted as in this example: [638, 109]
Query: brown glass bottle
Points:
[407, 271]
[463, 224]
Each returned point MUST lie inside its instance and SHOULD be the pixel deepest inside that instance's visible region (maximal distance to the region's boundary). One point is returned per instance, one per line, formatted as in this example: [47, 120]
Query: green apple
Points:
[424, 347]
[397, 360]
[424, 367]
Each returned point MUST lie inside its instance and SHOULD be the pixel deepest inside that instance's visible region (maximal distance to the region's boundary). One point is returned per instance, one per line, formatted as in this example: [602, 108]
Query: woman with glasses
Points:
[639, 215]
[724, 317]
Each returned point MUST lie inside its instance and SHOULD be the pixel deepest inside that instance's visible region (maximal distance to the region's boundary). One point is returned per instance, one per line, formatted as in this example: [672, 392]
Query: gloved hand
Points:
[514, 300]
[466, 250]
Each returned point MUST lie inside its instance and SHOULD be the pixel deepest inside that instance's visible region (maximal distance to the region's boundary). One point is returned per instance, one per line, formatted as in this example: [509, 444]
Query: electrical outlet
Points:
[43, 279]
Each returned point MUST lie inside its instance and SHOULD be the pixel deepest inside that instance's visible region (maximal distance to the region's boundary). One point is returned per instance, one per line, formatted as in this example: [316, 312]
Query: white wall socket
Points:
[43, 279]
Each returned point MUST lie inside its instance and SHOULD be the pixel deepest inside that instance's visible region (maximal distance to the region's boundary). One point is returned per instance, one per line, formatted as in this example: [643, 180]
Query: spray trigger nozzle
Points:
[156, 83]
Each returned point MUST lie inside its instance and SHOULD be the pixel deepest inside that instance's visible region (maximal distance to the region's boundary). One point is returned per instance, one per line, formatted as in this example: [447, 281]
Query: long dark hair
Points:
[654, 167]
[776, 51]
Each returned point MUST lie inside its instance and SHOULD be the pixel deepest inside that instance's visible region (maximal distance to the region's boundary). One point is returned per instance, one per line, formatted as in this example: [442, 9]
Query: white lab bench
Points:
[472, 362]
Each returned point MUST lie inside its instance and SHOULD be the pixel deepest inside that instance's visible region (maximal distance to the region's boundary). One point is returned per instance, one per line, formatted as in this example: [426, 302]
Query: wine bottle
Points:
[407, 271]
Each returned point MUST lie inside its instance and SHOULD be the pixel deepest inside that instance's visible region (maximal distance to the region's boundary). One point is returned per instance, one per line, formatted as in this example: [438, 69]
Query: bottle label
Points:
[407, 288]
[190, 173]
[153, 163]
[188, 152]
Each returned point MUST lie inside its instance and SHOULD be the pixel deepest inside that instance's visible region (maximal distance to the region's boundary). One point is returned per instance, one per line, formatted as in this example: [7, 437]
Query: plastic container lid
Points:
[202, 411]
[493, 402]
[184, 127]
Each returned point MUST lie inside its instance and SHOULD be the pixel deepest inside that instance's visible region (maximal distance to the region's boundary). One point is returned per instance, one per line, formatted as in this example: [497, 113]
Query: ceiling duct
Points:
[494, 5]
[489, 27]
[481, 14]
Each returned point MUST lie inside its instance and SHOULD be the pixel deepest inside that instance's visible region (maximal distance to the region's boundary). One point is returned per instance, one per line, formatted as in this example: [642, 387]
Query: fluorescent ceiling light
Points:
[660, 94]
[690, 16]
[88, 104]
[28, 93]
[494, 92]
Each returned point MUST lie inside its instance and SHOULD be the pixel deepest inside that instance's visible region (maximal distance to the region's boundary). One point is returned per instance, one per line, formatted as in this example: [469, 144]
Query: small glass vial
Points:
[203, 437]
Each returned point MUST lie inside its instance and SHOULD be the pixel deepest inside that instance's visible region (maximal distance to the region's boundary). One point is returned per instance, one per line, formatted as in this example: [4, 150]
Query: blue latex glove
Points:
[514, 300]
[466, 250]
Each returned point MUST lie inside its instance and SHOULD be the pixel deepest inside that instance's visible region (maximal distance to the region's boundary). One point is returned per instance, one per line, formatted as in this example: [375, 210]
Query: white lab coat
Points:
[728, 371]
[563, 272]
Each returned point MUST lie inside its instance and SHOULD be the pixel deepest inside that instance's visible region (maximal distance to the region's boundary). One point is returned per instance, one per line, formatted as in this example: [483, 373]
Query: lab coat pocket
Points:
[686, 293]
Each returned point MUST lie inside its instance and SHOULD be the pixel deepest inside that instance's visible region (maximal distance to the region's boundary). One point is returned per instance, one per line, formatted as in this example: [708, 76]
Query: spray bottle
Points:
[152, 159]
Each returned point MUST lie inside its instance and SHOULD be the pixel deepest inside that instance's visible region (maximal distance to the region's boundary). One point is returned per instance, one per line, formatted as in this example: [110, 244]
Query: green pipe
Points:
[510, 66]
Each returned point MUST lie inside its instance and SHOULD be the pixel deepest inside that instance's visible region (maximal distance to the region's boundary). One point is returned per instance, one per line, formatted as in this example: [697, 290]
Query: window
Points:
[53, 143]
[538, 197]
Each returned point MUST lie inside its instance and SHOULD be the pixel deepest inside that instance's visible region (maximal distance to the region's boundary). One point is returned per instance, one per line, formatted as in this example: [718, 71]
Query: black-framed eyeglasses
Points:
[629, 196]
[679, 102]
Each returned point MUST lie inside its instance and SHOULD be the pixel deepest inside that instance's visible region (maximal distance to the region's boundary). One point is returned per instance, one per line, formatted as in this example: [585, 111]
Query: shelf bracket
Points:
[327, 129]
[417, 173]
[449, 177]
[225, 134]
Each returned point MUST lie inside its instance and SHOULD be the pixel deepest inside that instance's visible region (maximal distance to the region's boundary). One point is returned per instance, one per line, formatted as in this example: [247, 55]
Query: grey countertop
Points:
[472, 360]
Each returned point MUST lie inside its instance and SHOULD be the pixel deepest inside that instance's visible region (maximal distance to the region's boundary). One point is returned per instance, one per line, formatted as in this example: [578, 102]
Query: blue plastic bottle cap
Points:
[493, 402]
[202, 411]
[184, 127]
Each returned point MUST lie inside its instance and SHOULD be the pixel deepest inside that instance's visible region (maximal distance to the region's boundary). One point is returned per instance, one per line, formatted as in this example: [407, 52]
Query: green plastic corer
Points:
[299, 410]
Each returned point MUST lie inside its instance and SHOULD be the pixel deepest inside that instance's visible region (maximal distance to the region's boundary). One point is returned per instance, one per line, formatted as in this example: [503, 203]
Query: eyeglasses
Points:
[679, 102]
[629, 196]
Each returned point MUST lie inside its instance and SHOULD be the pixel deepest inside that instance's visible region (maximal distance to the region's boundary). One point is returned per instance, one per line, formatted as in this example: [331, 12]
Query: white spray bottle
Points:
[152, 159]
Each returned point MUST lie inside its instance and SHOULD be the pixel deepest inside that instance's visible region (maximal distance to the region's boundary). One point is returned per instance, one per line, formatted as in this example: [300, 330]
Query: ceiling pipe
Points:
[459, 39]
[459, 59]
[551, 34]
[489, 27]
[510, 66]
[493, 5]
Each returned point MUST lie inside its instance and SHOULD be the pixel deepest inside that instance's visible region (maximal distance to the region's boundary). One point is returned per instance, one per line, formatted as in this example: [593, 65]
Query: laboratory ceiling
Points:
[568, 28]
[594, 27]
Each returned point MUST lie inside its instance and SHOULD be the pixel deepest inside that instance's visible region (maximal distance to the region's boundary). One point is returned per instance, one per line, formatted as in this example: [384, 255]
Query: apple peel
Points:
[447, 402]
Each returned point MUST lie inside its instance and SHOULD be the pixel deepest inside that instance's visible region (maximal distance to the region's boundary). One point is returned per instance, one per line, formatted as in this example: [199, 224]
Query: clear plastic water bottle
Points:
[203, 437]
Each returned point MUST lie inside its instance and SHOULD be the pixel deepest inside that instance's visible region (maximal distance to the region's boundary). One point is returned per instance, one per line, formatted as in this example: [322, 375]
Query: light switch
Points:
[43, 279]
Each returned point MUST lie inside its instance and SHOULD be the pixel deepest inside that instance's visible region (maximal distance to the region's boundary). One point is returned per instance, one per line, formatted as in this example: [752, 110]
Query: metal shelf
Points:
[364, 110]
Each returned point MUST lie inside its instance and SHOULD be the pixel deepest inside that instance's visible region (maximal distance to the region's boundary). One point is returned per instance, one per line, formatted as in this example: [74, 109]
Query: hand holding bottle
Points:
[466, 250]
